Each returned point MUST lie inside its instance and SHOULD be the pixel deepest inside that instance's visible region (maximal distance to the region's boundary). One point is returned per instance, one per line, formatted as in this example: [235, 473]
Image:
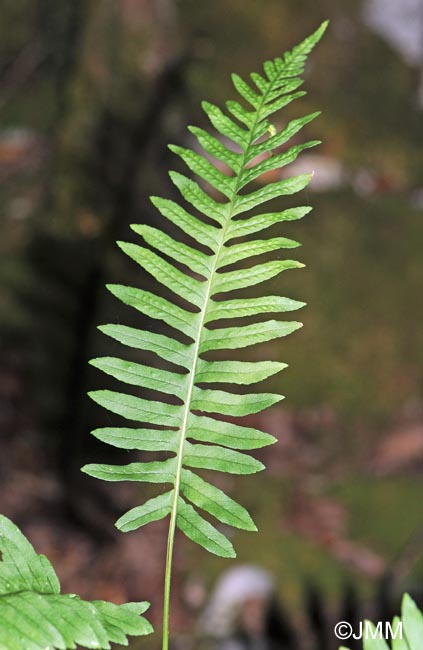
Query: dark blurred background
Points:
[91, 91]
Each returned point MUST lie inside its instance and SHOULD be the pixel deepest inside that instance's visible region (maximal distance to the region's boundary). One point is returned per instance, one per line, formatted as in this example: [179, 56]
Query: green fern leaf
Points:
[399, 642]
[412, 619]
[373, 639]
[34, 615]
[203, 277]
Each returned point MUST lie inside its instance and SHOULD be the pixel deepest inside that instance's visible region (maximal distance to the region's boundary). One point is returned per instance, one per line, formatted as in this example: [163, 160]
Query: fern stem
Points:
[174, 511]
[176, 490]
[168, 576]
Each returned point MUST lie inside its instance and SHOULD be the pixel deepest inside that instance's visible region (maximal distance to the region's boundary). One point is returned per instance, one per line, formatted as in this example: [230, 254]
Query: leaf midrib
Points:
[201, 324]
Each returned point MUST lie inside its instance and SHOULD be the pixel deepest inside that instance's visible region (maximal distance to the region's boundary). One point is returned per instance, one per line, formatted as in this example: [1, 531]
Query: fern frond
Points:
[34, 615]
[203, 277]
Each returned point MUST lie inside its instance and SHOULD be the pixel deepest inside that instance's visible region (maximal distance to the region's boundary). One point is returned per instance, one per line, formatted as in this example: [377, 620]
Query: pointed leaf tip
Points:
[320, 30]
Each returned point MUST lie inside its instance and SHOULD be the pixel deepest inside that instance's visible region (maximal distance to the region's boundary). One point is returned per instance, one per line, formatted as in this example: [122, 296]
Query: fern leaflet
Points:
[34, 615]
